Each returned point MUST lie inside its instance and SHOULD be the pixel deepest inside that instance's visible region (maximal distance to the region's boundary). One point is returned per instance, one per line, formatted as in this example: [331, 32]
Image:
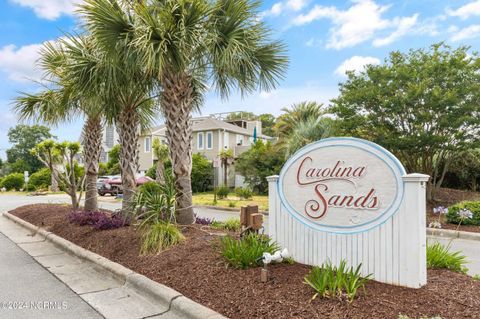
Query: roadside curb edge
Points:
[448, 233]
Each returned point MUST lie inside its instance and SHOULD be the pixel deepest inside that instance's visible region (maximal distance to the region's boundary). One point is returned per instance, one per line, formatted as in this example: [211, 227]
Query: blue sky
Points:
[324, 39]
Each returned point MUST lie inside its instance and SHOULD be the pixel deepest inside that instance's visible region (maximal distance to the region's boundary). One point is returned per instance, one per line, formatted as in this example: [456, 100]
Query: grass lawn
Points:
[231, 201]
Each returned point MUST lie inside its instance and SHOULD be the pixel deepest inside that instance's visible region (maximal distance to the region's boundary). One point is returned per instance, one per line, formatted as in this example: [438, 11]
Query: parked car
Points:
[113, 186]
[101, 179]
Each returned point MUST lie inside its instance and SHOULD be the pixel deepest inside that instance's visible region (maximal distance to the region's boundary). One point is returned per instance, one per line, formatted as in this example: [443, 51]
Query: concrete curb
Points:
[227, 209]
[176, 301]
[453, 234]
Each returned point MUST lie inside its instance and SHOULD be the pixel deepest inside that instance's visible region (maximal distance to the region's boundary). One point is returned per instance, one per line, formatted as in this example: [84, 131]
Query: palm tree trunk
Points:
[177, 100]
[92, 132]
[128, 125]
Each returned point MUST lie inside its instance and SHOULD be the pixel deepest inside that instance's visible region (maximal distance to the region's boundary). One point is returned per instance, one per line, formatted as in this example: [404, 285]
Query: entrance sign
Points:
[350, 199]
[342, 185]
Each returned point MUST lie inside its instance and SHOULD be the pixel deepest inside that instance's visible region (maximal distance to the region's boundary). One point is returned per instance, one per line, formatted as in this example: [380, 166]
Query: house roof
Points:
[209, 124]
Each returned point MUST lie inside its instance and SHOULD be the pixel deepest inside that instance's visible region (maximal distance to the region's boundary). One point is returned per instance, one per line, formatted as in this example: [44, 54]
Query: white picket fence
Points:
[394, 252]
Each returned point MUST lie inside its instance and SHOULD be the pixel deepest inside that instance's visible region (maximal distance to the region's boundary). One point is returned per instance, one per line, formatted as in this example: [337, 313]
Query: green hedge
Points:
[40, 180]
[454, 217]
[13, 181]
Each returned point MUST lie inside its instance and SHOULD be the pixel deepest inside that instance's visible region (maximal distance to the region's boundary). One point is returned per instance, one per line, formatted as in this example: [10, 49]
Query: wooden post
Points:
[250, 218]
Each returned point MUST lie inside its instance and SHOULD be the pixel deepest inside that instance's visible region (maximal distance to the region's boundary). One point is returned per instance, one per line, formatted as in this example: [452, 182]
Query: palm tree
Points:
[183, 44]
[305, 132]
[125, 91]
[61, 102]
[300, 112]
[226, 158]
[161, 153]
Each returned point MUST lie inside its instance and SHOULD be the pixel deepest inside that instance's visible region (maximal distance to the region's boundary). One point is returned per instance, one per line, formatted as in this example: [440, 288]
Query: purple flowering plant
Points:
[203, 220]
[99, 220]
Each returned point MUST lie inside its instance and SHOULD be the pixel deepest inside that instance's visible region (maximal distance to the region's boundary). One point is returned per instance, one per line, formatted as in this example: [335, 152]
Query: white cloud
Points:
[357, 24]
[465, 11]
[313, 42]
[296, 5]
[465, 33]
[19, 63]
[279, 7]
[356, 63]
[49, 9]
[404, 26]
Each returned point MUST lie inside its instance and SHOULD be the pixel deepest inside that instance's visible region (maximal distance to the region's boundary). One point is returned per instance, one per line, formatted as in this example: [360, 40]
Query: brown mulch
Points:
[195, 269]
[447, 197]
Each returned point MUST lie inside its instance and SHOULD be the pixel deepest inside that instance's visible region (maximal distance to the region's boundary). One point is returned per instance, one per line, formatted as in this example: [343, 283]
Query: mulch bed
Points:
[447, 197]
[195, 269]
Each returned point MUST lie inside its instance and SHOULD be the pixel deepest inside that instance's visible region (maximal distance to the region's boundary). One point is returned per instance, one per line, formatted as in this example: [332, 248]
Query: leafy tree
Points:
[61, 159]
[242, 115]
[260, 161]
[268, 122]
[202, 173]
[183, 45]
[422, 105]
[113, 163]
[464, 171]
[23, 138]
[161, 153]
[300, 112]
[19, 166]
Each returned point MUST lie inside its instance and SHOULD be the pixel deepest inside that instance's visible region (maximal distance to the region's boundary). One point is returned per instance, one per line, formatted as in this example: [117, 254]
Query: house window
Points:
[209, 140]
[148, 145]
[239, 139]
[226, 140]
[200, 141]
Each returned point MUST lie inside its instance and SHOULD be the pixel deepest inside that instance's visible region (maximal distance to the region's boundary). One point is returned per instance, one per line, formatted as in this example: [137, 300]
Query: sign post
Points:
[350, 199]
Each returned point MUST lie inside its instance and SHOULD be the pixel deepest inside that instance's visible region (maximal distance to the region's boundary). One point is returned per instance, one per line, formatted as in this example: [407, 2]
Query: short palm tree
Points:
[306, 132]
[226, 158]
[185, 45]
[60, 102]
[297, 113]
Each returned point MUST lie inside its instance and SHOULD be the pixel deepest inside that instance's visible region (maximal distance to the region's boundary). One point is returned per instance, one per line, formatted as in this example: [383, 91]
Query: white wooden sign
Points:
[347, 198]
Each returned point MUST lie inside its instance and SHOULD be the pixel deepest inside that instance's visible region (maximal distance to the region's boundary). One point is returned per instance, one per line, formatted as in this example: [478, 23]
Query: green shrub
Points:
[247, 251]
[154, 203]
[160, 236]
[232, 204]
[202, 174]
[231, 224]
[439, 256]
[243, 193]
[454, 217]
[40, 180]
[13, 181]
[150, 187]
[223, 191]
[332, 281]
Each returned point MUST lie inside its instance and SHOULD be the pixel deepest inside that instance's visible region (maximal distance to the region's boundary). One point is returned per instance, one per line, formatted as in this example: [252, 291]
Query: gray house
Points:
[210, 137]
